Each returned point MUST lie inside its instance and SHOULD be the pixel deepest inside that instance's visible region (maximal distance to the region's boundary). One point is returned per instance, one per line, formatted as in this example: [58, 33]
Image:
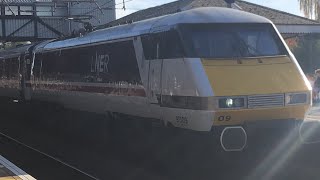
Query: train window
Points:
[117, 65]
[2, 68]
[7, 68]
[231, 40]
[170, 45]
[10, 68]
[100, 63]
[164, 45]
[49, 63]
[15, 67]
[93, 64]
[149, 47]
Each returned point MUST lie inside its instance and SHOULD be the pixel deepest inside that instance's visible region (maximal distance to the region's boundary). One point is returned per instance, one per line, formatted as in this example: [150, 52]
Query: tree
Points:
[310, 8]
[307, 52]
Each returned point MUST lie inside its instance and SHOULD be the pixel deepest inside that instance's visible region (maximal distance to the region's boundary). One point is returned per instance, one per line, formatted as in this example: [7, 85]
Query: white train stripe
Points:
[19, 171]
[118, 85]
[14, 169]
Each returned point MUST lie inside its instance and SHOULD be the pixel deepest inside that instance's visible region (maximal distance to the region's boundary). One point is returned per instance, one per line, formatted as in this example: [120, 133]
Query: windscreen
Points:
[231, 40]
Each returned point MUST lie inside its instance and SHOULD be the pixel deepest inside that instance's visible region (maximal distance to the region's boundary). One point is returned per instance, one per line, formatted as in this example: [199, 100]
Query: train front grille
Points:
[266, 101]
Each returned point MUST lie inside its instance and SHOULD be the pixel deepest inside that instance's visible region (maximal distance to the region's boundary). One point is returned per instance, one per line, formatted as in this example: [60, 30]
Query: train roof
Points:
[198, 15]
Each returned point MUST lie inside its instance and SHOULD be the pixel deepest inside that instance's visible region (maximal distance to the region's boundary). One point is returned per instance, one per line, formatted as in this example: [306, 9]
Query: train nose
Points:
[233, 138]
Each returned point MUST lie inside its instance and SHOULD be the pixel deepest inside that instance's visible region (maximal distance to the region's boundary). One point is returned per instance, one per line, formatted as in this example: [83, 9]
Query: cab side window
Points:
[163, 45]
[2, 68]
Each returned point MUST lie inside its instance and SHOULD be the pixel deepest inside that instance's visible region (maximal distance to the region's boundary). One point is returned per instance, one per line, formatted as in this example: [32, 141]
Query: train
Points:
[205, 69]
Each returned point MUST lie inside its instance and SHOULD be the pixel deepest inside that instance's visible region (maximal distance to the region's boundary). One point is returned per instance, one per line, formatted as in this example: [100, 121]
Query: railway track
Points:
[41, 149]
[40, 164]
[28, 150]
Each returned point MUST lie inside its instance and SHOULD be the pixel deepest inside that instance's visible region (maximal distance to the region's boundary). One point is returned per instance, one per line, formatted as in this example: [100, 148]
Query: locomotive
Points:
[201, 69]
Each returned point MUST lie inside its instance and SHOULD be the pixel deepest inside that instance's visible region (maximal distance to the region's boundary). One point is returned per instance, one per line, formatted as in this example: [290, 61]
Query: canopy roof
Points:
[286, 22]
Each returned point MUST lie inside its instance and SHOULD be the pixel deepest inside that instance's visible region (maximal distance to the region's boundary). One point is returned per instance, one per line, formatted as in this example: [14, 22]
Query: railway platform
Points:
[9, 171]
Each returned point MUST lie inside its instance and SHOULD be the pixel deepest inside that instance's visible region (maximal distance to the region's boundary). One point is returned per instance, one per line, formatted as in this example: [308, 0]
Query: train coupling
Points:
[233, 139]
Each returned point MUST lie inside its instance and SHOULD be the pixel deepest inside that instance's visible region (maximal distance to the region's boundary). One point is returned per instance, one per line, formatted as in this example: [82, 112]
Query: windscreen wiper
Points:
[246, 47]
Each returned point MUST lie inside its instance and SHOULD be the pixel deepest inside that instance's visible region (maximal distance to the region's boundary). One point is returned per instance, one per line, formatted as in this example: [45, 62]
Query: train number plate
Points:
[182, 120]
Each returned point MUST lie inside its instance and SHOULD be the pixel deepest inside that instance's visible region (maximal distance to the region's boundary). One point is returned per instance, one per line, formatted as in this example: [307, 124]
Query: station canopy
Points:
[14, 52]
[286, 23]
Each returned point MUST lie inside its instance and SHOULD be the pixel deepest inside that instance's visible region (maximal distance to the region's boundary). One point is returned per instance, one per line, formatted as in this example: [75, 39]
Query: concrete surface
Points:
[79, 139]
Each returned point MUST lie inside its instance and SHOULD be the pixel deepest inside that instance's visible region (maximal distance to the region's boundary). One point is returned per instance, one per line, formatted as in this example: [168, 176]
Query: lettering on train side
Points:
[113, 63]
[224, 118]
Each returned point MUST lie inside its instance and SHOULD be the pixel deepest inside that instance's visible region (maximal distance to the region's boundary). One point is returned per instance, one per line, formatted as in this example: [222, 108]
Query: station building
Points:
[35, 20]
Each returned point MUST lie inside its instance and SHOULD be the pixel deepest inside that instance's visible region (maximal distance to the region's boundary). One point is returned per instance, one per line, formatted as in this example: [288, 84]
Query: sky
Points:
[290, 6]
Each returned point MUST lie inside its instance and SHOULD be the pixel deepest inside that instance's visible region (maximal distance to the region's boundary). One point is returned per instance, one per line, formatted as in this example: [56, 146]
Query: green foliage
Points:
[8, 45]
[310, 8]
[308, 53]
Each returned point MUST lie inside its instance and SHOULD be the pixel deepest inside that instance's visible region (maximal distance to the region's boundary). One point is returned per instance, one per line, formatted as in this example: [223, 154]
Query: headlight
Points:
[297, 98]
[232, 102]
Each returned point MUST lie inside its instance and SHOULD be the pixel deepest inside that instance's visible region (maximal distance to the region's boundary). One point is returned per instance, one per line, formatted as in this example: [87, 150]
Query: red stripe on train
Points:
[92, 89]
